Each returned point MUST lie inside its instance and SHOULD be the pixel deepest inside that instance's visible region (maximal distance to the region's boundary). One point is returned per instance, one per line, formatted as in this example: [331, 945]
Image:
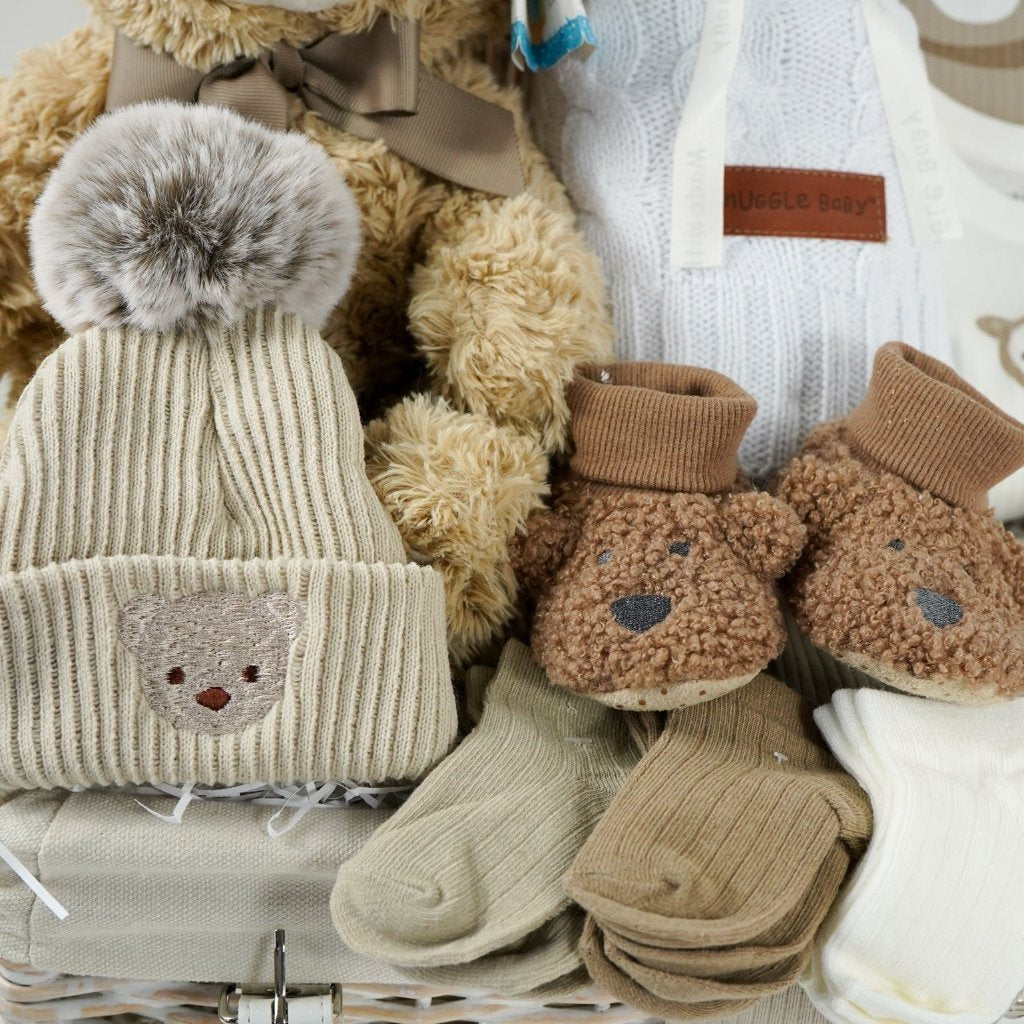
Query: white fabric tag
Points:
[698, 157]
[906, 95]
[49, 900]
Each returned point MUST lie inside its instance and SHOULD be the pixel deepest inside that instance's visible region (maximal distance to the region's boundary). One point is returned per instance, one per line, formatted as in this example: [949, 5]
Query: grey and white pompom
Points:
[181, 218]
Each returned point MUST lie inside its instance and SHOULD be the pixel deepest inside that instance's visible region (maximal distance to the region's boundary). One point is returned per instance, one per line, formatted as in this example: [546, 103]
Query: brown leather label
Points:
[794, 203]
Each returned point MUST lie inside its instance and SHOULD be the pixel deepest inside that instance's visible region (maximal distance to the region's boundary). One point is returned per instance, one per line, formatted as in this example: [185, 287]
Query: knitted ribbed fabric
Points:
[657, 426]
[151, 486]
[922, 421]
[472, 864]
[794, 321]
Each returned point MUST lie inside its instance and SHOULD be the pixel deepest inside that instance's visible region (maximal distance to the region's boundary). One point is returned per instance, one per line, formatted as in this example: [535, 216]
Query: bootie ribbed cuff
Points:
[658, 427]
[923, 422]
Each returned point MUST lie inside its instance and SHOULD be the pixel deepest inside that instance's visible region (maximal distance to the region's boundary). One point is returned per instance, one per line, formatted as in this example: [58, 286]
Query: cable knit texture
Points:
[163, 467]
[794, 321]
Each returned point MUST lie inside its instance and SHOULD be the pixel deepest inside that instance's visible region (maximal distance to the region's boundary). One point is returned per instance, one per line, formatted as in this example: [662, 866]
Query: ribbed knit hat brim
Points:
[197, 582]
[365, 694]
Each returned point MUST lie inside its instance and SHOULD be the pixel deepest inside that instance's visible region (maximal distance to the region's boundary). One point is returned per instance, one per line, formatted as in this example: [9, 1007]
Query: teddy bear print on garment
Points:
[1010, 336]
[213, 662]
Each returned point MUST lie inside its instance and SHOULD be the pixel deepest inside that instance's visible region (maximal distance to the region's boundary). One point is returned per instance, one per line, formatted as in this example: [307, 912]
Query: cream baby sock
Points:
[474, 861]
[929, 929]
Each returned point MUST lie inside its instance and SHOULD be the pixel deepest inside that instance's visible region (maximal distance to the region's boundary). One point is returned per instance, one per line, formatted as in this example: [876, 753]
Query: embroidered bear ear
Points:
[138, 617]
[286, 610]
[996, 326]
[549, 540]
[763, 531]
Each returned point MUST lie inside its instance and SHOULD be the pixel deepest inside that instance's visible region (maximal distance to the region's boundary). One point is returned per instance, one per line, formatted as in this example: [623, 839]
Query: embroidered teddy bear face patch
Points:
[213, 662]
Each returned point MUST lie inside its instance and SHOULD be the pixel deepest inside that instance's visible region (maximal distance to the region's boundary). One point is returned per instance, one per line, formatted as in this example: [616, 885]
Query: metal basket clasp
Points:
[276, 998]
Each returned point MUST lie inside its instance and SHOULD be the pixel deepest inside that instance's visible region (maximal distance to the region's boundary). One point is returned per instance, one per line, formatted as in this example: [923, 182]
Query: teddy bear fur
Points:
[466, 313]
[710, 560]
[882, 556]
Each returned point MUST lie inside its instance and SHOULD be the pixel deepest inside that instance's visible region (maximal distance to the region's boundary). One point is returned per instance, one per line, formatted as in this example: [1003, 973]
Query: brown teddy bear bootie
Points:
[654, 570]
[907, 576]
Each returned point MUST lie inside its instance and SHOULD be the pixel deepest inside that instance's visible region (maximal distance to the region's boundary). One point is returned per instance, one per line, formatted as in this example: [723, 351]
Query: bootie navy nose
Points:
[938, 609]
[639, 612]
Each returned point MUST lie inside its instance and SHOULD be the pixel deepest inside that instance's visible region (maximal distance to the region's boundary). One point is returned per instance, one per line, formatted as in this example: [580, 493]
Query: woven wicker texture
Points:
[28, 996]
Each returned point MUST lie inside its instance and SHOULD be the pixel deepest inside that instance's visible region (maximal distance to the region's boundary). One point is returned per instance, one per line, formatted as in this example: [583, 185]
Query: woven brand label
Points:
[796, 203]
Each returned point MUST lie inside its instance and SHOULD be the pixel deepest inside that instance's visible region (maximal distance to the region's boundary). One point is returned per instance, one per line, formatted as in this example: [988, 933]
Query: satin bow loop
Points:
[370, 84]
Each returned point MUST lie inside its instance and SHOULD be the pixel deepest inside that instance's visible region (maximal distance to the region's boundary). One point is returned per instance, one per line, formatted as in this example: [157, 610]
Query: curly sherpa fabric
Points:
[296, 5]
[177, 218]
[922, 591]
[665, 599]
[654, 576]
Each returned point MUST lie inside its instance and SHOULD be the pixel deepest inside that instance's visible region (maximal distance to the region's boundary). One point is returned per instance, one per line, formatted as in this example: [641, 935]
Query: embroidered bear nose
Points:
[938, 609]
[214, 698]
[639, 612]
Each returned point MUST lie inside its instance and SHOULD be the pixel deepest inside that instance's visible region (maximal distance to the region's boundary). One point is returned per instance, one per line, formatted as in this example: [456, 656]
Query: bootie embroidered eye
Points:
[654, 569]
[907, 576]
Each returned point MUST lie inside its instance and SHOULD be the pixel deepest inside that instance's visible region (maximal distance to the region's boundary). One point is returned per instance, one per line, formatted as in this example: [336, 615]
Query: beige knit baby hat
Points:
[197, 582]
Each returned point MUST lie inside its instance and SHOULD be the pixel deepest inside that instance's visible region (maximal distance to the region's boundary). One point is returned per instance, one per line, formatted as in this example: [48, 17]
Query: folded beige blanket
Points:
[198, 901]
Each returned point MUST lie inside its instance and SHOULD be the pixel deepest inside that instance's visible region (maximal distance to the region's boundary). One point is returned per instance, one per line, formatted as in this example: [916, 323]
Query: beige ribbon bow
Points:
[370, 84]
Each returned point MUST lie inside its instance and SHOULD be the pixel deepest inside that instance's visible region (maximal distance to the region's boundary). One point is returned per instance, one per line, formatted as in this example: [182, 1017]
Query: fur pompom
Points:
[180, 218]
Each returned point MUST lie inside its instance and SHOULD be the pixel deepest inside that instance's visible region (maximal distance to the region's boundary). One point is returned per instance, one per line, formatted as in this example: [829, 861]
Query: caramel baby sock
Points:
[619, 984]
[755, 983]
[474, 861]
[929, 928]
[787, 941]
[723, 827]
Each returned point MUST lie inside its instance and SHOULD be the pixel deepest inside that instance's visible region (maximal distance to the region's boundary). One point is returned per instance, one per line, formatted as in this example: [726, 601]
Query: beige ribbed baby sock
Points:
[724, 826]
[474, 862]
[547, 960]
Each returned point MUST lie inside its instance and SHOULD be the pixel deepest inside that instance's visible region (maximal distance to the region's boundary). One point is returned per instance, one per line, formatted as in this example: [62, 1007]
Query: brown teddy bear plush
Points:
[654, 569]
[474, 295]
[907, 576]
